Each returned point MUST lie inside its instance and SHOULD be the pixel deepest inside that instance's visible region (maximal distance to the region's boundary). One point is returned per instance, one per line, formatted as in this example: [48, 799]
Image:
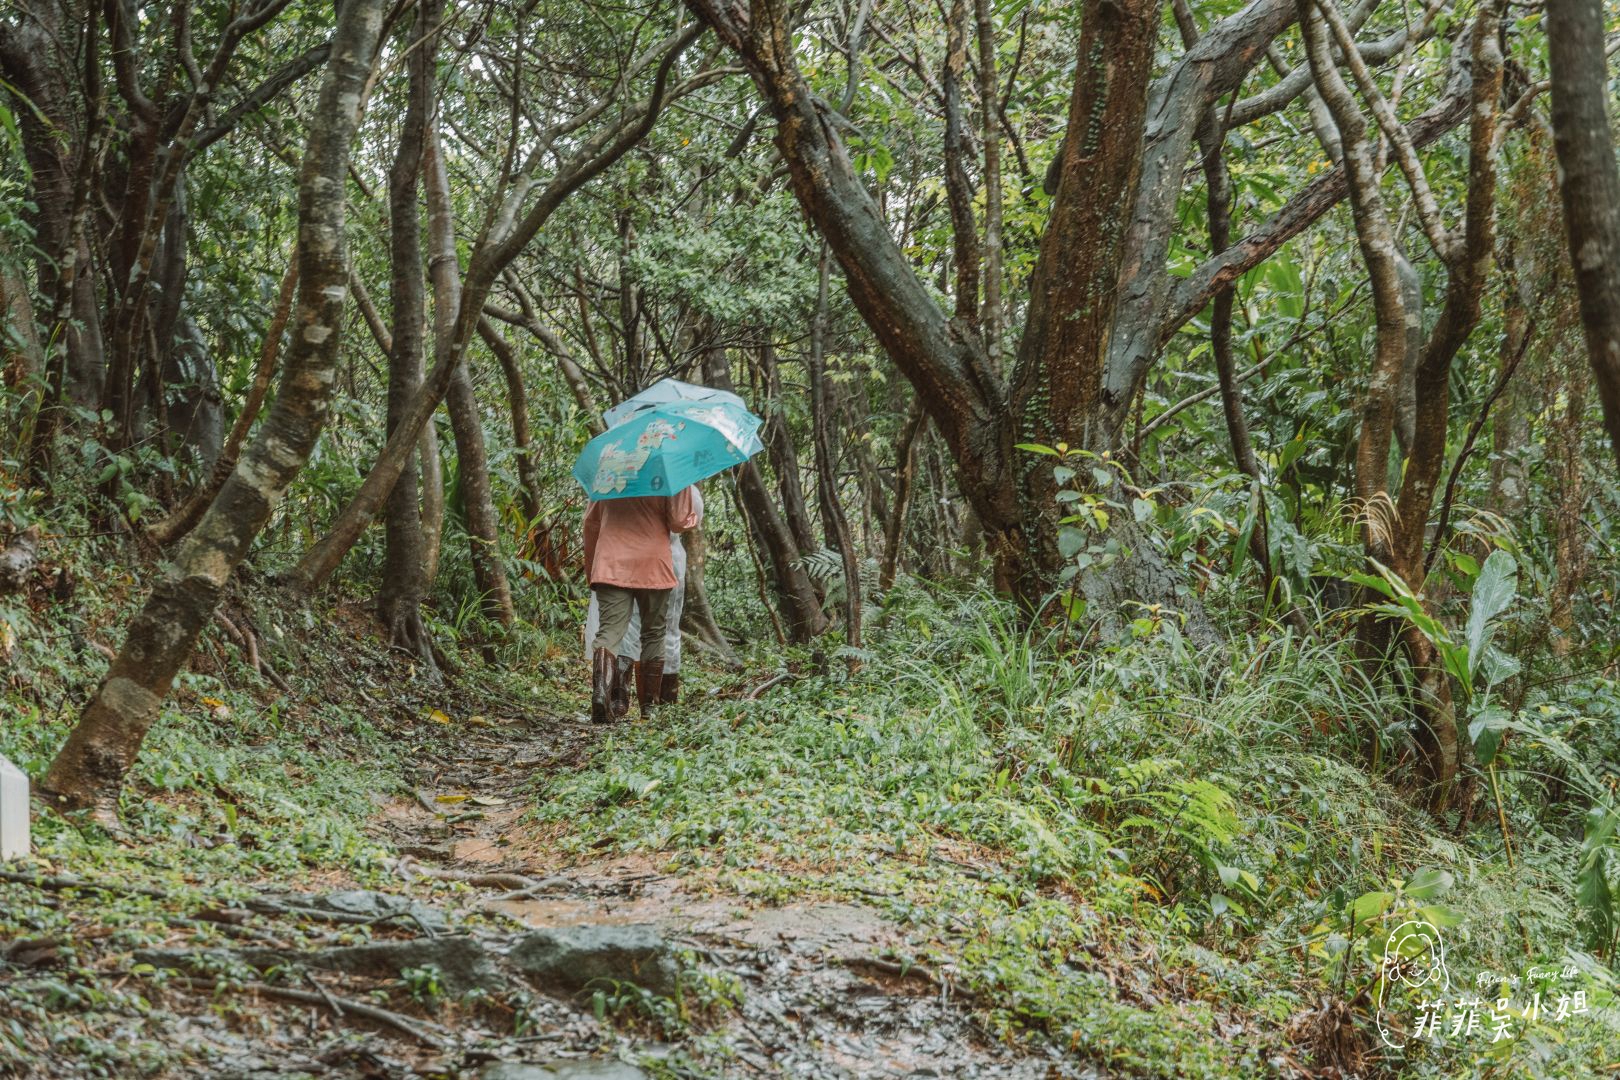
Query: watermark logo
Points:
[1414, 965]
[1415, 995]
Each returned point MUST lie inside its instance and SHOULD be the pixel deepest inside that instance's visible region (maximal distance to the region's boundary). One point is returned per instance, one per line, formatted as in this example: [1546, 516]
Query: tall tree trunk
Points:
[404, 576]
[1510, 424]
[22, 358]
[905, 476]
[517, 399]
[1564, 445]
[697, 614]
[797, 599]
[184, 519]
[61, 155]
[1590, 185]
[432, 467]
[89, 770]
[834, 524]
[1218, 185]
[472, 457]
[784, 455]
[990, 316]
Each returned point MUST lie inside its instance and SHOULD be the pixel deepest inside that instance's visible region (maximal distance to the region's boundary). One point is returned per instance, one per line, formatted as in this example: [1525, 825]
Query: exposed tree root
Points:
[911, 971]
[422, 1031]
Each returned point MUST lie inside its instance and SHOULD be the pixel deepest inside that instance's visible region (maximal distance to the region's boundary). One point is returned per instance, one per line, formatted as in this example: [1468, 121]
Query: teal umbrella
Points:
[664, 391]
[663, 448]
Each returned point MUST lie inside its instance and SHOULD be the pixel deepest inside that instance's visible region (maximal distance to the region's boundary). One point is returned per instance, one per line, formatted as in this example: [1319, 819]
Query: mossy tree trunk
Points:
[90, 768]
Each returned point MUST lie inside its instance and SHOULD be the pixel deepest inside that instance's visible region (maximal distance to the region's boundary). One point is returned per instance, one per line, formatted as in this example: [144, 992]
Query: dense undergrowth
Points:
[1146, 851]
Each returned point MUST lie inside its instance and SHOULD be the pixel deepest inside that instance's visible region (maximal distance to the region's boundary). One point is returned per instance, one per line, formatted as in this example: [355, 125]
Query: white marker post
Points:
[13, 811]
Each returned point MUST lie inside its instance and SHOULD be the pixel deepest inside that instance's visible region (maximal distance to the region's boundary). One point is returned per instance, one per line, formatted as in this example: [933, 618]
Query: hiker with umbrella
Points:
[639, 475]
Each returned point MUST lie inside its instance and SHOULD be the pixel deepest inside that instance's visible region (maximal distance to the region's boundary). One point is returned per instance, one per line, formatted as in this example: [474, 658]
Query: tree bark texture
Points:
[795, 595]
[404, 573]
[1591, 187]
[834, 524]
[466, 421]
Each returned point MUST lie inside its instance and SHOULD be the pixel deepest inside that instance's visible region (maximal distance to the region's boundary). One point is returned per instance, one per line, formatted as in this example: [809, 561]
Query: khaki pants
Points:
[616, 604]
[630, 646]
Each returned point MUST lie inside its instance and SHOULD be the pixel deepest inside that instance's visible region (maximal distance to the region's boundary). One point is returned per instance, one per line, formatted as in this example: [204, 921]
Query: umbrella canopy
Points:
[664, 391]
[664, 448]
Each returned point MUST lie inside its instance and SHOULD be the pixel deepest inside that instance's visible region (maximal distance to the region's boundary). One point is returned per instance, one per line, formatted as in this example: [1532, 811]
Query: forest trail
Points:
[482, 918]
[821, 993]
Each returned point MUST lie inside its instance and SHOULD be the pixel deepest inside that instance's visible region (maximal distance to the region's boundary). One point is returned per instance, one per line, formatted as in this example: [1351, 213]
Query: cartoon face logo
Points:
[1414, 962]
[1416, 955]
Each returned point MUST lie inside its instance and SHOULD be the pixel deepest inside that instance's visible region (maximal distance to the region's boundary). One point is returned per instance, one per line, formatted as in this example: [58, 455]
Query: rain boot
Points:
[603, 668]
[649, 684]
[621, 686]
[670, 691]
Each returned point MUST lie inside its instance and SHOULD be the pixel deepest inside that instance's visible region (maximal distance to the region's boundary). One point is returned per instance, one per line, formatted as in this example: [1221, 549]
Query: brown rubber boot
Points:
[621, 685]
[603, 668]
[669, 693]
[649, 683]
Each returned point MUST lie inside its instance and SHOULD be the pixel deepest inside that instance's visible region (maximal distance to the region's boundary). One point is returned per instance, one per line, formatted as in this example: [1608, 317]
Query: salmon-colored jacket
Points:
[627, 540]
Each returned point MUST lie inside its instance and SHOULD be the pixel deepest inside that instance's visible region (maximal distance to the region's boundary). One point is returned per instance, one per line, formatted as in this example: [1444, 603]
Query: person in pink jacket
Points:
[628, 565]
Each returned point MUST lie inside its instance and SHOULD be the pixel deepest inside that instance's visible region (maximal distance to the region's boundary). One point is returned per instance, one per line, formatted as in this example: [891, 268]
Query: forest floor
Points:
[259, 922]
[814, 988]
[965, 860]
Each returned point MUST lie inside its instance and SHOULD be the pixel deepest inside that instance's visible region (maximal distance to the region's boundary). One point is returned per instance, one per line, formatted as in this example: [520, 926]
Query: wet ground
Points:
[329, 981]
[821, 994]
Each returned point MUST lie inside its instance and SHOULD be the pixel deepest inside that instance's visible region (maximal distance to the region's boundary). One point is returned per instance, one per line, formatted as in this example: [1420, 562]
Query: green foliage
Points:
[1018, 807]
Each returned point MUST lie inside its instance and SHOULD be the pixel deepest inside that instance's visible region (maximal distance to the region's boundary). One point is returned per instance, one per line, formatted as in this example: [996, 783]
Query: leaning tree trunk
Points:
[783, 454]
[90, 769]
[795, 594]
[1591, 186]
[517, 401]
[905, 474]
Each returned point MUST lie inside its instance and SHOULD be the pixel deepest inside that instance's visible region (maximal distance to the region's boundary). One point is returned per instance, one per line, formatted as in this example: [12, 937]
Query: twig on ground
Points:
[757, 692]
[58, 883]
[340, 1005]
[911, 971]
[489, 879]
[264, 905]
[543, 885]
[324, 992]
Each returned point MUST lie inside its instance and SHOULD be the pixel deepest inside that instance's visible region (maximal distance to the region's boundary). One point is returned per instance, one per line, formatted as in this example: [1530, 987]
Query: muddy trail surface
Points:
[491, 955]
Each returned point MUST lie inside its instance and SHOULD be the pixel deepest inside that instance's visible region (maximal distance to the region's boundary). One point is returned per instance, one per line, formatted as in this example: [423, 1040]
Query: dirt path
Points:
[487, 953]
[818, 995]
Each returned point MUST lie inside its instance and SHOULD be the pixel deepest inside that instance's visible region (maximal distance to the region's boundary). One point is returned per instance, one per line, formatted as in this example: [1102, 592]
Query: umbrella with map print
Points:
[669, 446]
